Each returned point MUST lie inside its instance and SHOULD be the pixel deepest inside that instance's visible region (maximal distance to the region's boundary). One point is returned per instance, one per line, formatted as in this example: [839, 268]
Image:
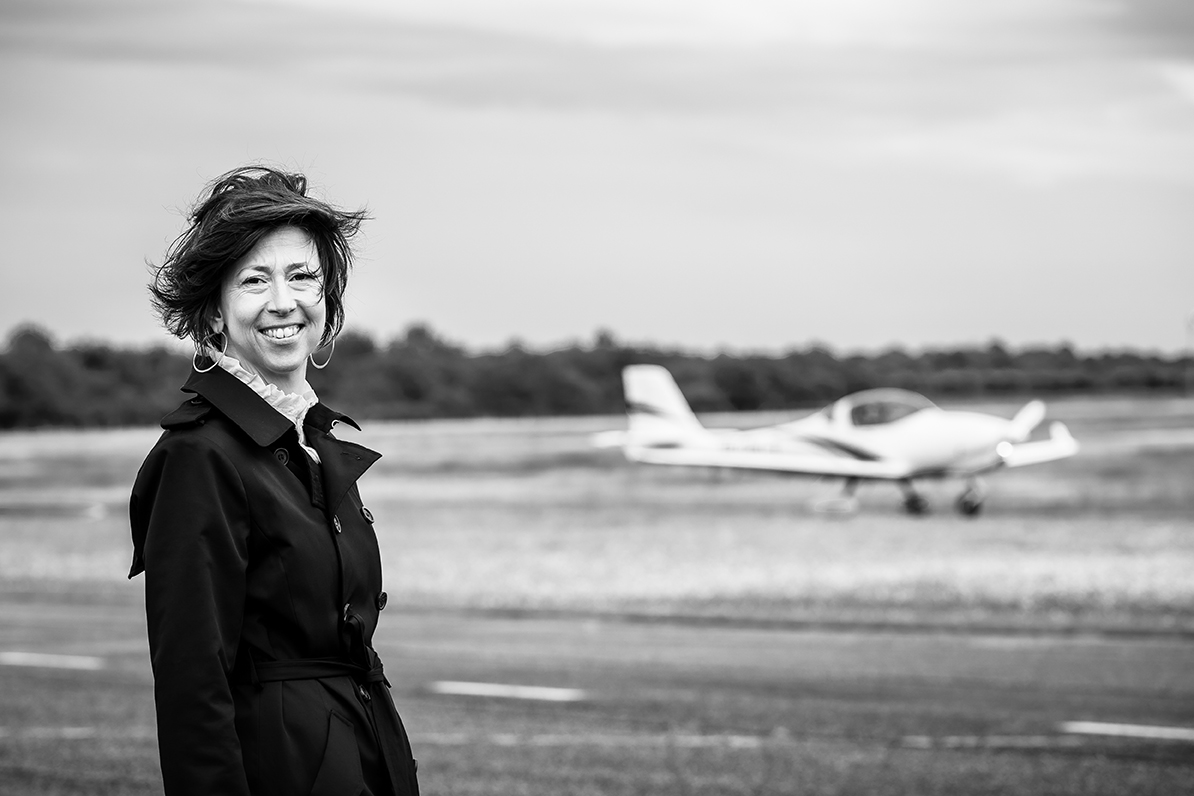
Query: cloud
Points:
[743, 23]
[1178, 75]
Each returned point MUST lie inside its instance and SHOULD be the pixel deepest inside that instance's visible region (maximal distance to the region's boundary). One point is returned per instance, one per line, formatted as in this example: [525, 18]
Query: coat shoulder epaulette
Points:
[190, 413]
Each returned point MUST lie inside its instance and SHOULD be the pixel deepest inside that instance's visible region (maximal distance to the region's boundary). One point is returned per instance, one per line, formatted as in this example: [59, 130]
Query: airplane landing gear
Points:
[914, 502]
[970, 502]
[846, 503]
[969, 505]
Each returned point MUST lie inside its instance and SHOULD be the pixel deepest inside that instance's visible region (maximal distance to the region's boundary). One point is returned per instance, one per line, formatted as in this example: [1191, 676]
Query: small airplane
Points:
[876, 435]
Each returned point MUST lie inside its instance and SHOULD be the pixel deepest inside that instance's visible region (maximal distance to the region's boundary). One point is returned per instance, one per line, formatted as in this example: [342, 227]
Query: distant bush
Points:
[422, 375]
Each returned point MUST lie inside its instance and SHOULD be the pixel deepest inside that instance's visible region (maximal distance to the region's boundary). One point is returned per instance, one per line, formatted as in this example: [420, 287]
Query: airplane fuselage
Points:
[931, 442]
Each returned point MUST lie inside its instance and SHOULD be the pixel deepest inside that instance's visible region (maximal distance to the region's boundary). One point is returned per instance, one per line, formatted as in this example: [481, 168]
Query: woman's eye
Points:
[253, 280]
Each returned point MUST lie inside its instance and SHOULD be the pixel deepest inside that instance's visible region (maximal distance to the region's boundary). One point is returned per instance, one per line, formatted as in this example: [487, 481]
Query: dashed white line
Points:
[502, 691]
[989, 742]
[1069, 736]
[58, 733]
[609, 740]
[1128, 730]
[51, 661]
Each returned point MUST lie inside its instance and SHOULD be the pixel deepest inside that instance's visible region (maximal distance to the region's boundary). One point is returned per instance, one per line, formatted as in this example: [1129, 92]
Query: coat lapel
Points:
[342, 462]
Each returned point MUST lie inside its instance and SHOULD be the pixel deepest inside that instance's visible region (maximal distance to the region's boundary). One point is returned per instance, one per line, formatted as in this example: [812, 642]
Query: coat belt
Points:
[391, 734]
[312, 669]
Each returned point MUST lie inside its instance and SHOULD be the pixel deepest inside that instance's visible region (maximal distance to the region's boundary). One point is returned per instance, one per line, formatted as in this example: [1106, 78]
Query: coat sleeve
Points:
[190, 509]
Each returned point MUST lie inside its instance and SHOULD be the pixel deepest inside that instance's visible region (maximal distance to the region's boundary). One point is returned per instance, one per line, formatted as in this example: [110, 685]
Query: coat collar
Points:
[324, 419]
[250, 412]
[343, 462]
[237, 401]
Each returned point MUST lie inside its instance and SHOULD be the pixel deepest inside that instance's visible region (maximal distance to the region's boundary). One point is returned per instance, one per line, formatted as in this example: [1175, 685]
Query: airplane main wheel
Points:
[916, 504]
[969, 504]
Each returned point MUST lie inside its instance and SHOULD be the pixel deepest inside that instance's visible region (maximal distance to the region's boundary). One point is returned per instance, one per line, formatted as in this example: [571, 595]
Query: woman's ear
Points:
[217, 323]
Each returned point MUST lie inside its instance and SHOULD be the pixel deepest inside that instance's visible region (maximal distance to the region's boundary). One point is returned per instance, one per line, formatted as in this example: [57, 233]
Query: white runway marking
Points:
[64, 733]
[1129, 730]
[50, 661]
[608, 740]
[542, 693]
[990, 742]
[1069, 730]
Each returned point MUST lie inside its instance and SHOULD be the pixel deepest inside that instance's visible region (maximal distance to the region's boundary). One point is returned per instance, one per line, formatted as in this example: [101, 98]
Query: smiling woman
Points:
[257, 233]
[272, 309]
[263, 579]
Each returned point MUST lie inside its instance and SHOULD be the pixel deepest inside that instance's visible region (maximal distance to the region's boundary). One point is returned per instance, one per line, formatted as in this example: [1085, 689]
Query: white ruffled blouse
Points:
[292, 406]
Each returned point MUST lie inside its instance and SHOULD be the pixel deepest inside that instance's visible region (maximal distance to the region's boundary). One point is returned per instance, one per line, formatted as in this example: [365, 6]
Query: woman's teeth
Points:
[281, 332]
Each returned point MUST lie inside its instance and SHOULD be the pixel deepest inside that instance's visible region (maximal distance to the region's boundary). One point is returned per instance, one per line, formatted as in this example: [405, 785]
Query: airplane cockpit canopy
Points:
[876, 407]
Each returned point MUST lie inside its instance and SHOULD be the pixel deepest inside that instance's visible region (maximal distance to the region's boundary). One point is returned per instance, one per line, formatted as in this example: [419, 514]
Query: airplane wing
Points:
[1061, 444]
[778, 462]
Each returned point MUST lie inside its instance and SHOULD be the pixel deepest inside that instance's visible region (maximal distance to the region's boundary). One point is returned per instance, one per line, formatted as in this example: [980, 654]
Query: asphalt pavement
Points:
[605, 679]
[544, 704]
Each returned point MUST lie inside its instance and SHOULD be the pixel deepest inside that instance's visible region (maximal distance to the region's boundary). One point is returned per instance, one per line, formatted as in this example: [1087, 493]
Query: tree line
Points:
[420, 375]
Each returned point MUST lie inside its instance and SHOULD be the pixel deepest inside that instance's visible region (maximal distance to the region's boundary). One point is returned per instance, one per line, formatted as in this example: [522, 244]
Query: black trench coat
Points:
[263, 586]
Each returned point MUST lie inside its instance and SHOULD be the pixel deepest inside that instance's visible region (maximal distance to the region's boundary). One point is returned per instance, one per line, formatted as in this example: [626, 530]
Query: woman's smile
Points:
[282, 332]
[272, 308]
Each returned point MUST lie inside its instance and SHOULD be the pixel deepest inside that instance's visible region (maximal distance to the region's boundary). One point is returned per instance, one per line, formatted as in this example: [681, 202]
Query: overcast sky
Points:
[752, 174]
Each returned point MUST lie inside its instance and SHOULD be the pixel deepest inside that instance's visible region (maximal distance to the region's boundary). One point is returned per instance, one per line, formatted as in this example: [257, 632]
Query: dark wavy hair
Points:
[231, 216]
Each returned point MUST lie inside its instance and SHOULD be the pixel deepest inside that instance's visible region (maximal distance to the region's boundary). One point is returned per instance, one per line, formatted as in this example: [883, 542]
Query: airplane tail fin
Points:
[656, 408]
[1027, 419]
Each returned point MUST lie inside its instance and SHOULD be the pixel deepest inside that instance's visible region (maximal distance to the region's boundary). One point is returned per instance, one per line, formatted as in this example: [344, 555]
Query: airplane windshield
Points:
[887, 408]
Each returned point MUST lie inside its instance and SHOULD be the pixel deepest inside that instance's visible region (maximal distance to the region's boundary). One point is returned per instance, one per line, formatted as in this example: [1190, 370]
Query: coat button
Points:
[336, 524]
[347, 606]
[281, 455]
[382, 599]
[367, 514]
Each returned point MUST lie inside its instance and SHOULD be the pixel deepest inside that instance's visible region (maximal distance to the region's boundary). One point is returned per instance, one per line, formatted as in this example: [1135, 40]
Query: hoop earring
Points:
[332, 353]
[214, 362]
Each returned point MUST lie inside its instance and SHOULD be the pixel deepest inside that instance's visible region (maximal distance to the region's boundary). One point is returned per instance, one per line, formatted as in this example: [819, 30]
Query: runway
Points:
[719, 709]
[500, 704]
[548, 629]
[878, 686]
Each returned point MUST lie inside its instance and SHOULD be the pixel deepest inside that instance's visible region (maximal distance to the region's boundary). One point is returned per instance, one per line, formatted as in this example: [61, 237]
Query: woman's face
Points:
[272, 308]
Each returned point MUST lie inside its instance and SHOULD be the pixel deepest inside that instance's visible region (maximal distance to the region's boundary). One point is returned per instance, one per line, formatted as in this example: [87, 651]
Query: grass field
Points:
[1105, 539]
[522, 517]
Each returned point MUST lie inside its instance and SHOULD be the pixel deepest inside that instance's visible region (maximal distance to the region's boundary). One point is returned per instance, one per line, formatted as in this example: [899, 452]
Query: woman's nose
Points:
[281, 298]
